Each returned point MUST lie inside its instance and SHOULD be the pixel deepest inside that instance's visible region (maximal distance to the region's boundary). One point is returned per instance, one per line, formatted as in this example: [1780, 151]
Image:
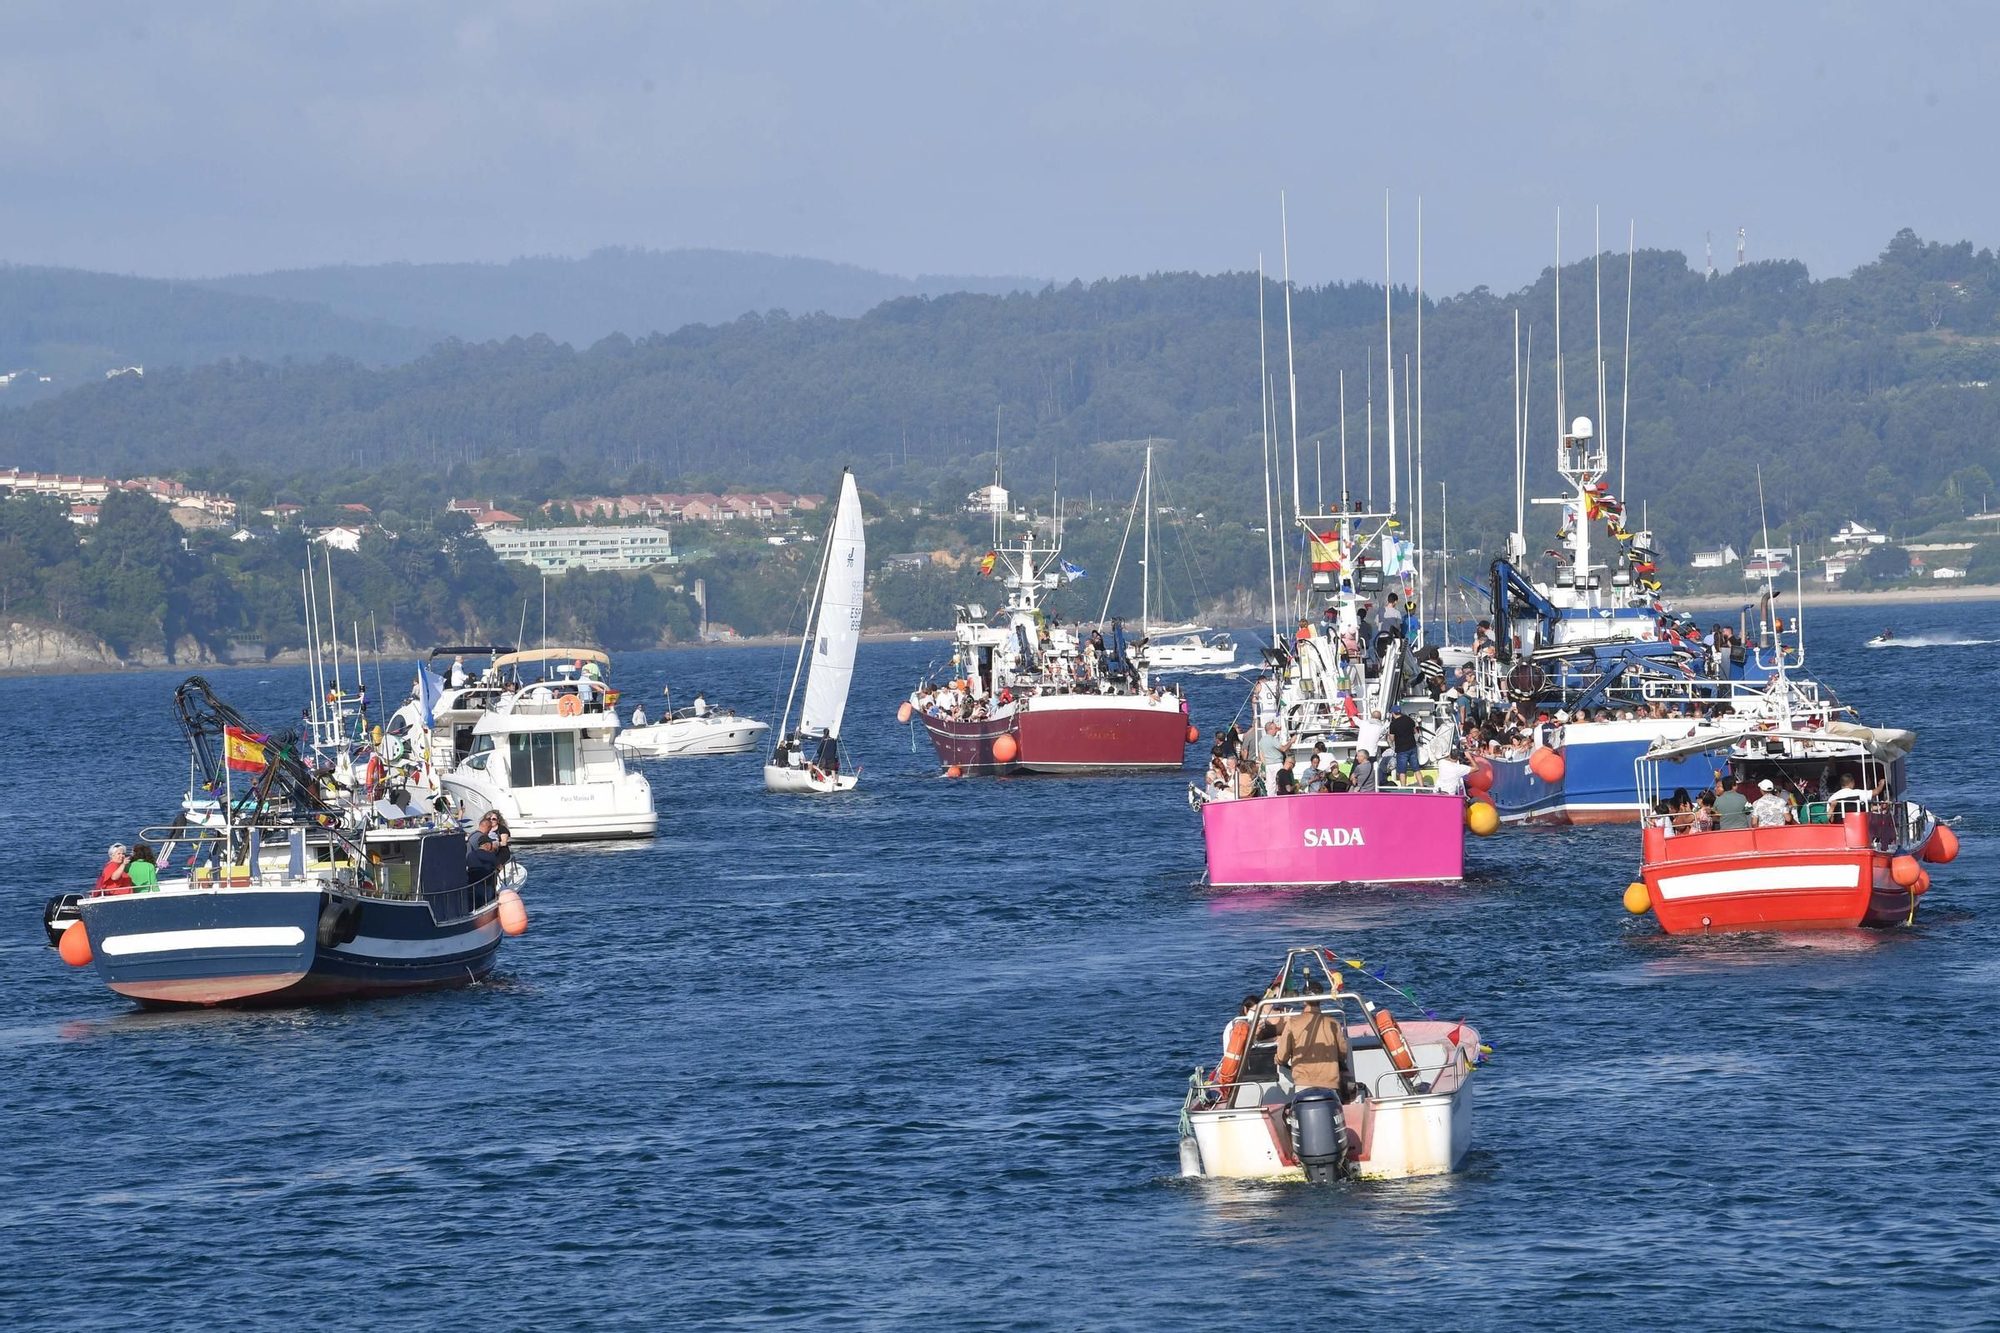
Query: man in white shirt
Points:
[458, 677]
[1769, 810]
[1371, 734]
[700, 705]
[1271, 748]
[638, 715]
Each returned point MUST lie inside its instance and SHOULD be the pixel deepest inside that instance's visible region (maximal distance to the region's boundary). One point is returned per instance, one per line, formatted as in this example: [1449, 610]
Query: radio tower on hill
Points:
[1739, 247]
[1708, 245]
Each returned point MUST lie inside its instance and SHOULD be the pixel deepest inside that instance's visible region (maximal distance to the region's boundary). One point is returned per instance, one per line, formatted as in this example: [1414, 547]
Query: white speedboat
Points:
[808, 759]
[1189, 648]
[687, 736]
[1407, 1109]
[1882, 640]
[544, 756]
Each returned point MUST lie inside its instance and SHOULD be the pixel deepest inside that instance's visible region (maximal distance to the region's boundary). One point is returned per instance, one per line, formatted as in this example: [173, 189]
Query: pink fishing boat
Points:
[1335, 838]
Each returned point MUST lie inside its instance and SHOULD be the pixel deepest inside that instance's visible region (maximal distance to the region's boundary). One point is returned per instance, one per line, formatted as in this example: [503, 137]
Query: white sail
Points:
[838, 630]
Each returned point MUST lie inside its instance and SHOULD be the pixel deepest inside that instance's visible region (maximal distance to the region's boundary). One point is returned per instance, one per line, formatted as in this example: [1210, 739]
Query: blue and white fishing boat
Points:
[277, 885]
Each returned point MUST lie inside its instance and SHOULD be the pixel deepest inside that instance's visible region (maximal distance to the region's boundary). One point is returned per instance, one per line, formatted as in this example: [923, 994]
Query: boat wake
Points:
[1929, 641]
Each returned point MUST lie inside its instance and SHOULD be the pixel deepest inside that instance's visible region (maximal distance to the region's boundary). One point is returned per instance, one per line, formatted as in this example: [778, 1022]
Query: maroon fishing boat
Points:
[1024, 693]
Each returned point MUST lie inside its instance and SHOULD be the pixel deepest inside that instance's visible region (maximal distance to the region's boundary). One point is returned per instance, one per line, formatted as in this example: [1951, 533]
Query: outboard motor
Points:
[1319, 1134]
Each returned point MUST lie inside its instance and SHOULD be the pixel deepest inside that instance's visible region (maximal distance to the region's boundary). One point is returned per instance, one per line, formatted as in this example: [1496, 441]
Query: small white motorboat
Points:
[1189, 648]
[1882, 640]
[688, 736]
[809, 759]
[1403, 1107]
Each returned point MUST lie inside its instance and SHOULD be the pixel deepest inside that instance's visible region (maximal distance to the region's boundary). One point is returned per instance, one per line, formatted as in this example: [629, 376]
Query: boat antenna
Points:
[1625, 379]
[1319, 475]
[1291, 369]
[1389, 349]
[1264, 411]
[1343, 440]
[545, 617]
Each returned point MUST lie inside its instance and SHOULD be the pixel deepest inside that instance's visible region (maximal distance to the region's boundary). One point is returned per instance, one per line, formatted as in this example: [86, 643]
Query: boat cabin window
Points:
[398, 725]
[481, 744]
[542, 759]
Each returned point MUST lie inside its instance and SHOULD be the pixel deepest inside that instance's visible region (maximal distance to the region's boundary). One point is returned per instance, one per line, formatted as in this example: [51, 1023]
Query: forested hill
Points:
[72, 326]
[611, 291]
[1864, 396]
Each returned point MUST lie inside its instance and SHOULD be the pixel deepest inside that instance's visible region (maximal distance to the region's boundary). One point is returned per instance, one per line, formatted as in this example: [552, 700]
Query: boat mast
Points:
[1625, 379]
[812, 614]
[1343, 443]
[1291, 368]
[1146, 553]
[1264, 411]
[1444, 563]
[1389, 349]
[1423, 588]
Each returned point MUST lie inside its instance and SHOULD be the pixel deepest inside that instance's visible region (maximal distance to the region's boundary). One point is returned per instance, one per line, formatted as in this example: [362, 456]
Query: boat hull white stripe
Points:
[1762, 879]
[372, 946]
[222, 937]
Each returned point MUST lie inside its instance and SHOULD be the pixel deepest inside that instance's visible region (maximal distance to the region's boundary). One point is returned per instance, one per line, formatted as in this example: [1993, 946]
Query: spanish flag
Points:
[986, 563]
[243, 750]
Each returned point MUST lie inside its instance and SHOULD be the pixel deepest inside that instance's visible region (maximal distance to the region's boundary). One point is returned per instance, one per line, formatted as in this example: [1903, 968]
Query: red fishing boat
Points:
[1831, 842]
[1025, 693]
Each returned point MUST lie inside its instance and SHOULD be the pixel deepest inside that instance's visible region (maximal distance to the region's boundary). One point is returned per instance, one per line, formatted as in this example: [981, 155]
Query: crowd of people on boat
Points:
[1737, 803]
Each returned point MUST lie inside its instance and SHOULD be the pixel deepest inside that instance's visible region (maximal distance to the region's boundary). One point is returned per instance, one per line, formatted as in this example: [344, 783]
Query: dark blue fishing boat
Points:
[297, 890]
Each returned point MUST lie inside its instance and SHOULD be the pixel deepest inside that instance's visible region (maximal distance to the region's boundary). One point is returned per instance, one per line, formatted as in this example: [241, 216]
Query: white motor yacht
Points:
[689, 735]
[544, 755]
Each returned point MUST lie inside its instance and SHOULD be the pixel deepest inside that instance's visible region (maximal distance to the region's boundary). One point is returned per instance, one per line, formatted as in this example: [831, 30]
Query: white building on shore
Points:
[594, 548]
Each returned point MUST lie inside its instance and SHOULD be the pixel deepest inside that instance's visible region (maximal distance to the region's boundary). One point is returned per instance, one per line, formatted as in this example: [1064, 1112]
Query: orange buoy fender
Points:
[75, 945]
[1546, 764]
[1923, 884]
[954, 772]
[1392, 1041]
[1942, 846]
[1904, 870]
[513, 912]
[1193, 734]
[1005, 747]
[1235, 1042]
[903, 713]
[1482, 818]
[1481, 776]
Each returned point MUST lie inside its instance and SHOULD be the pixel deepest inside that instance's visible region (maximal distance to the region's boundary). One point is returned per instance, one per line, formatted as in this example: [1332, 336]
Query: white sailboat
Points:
[808, 759]
[1185, 646]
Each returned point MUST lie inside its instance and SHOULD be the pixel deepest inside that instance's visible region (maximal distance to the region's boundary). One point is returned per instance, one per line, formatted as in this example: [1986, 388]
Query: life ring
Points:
[1392, 1041]
[375, 773]
[1235, 1042]
[569, 705]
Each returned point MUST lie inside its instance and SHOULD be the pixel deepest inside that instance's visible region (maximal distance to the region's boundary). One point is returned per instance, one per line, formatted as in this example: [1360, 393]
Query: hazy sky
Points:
[1045, 139]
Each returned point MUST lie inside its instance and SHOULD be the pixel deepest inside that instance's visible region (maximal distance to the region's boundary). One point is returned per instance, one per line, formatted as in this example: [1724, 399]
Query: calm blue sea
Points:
[912, 1059]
